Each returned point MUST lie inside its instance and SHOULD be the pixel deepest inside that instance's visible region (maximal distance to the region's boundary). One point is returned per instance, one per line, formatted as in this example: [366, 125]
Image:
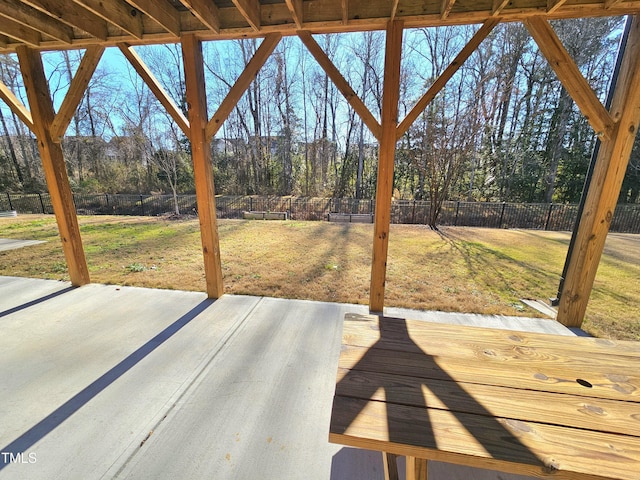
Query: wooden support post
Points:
[390, 463]
[610, 167]
[384, 190]
[55, 170]
[416, 468]
[202, 169]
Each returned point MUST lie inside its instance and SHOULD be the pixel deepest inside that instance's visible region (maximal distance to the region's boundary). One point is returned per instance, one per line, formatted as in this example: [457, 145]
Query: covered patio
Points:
[123, 382]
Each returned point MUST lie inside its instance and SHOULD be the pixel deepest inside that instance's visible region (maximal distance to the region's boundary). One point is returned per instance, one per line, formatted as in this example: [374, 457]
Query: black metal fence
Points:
[537, 216]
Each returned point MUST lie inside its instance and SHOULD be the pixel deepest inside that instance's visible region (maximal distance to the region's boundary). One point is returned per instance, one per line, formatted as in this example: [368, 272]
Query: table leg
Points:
[390, 466]
[416, 468]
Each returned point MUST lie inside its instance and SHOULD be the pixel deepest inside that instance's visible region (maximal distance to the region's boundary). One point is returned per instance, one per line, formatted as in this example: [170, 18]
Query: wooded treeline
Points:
[503, 129]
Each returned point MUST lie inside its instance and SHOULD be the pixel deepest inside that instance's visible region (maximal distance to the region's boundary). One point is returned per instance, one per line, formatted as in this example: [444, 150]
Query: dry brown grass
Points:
[458, 269]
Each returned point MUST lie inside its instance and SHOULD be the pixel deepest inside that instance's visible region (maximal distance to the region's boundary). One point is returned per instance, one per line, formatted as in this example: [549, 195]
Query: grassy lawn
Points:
[459, 269]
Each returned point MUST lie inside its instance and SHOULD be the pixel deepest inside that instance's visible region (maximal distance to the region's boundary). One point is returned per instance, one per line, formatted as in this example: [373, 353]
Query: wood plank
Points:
[390, 465]
[498, 6]
[396, 330]
[553, 5]
[250, 10]
[242, 83]
[53, 164]
[607, 382]
[576, 411]
[162, 12]
[117, 13]
[202, 170]
[295, 8]
[341, 83]
[445, 8]
[386, 158]
[205, 11]
[20, 32]
[344, 8]
[19, 12]
[611, 3]
[442, 80]
[569, 74]
[156, 88]
[73, 15]
[416, 468]
[601, 199]
[16, 105]
[76, 91]
[512, 446]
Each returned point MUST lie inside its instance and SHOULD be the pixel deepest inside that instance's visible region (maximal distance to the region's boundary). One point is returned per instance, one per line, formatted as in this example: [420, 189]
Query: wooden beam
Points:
[295, 8]
[570, 75]
[445, 76]
[250, 10]
[345, 12]
[386, 157]
[20, 32]
[611, 3]
[73, 15]
[498, 6]
[16, 106]
[117, 13]
[206, 11]
[242, 83]
[156, 88]
[394, 9]
[26, 15]
[76, 91]
[53, 163]
[602, 196]
[553, 5]
[202, 169]
[445, 8]
[340, 82]
[162, 12]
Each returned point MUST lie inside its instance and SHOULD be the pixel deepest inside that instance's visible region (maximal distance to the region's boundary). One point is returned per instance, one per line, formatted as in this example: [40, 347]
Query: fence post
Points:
[106, 197]
[251, 204]
[9, 198]
[504, 204]
[42, 203]
[142, 205]
[546, 224]
[455, 222]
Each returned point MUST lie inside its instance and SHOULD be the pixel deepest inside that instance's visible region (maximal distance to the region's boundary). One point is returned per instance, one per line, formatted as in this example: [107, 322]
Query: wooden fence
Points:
[537, 216]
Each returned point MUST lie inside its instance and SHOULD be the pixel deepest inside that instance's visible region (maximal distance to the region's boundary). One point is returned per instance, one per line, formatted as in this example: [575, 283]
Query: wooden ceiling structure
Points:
[28, 27]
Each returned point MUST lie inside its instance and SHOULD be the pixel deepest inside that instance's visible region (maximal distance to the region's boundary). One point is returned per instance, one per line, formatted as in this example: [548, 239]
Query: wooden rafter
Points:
[20, 32]
[250, 10]
[553, 5]
[73, 15]
[295, 8]
[202, 171]
[498, 6]
[570, 75]
[445, 8]
[117, 13]
[345, 11]
[242, 83]
[26, 15]
[602, 195]
[340, 82]
[206, 11]
[156, 88]
[76, 91]
[611, 3]
[445, 76]
[15, 105]
[162, 12]
[53, 164]
[384, 188]
[394, 9]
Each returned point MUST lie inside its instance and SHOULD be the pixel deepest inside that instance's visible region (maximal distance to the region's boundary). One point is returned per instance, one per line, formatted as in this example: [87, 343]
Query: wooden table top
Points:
[527, 403]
